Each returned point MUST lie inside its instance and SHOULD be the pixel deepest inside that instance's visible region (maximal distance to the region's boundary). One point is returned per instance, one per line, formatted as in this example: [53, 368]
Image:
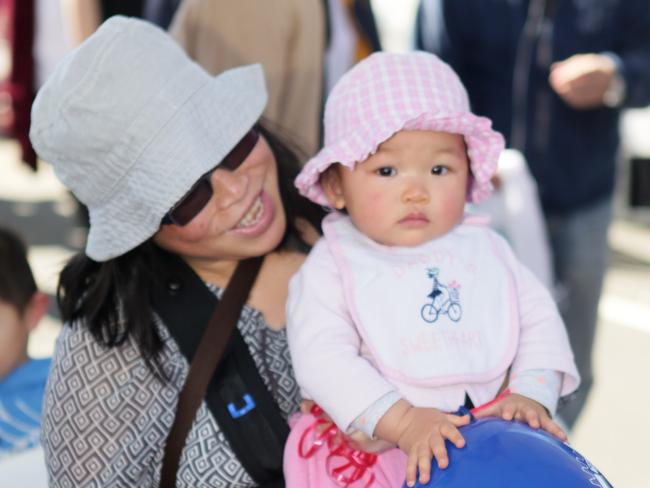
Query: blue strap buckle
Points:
[249, 404]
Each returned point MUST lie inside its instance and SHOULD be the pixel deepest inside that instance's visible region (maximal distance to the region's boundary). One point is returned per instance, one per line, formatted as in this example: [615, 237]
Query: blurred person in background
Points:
[305, 46]
[554, 76]
[351, 36]
[287, 37]
[160, 12]
[83, 17]
[22, 379]
[39, 33]
[18, 89]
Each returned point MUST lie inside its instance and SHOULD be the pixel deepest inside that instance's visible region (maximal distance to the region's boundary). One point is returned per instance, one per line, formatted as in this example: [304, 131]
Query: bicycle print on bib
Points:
[445, 299]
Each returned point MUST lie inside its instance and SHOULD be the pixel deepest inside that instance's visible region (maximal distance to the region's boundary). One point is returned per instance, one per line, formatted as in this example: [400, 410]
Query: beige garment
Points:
[286, 36]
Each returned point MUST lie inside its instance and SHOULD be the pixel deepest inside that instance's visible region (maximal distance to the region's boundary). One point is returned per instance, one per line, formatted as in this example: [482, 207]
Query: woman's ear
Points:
[330, 180]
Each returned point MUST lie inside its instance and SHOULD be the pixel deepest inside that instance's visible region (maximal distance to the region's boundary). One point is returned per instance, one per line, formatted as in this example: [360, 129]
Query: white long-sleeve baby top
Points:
[435, 322]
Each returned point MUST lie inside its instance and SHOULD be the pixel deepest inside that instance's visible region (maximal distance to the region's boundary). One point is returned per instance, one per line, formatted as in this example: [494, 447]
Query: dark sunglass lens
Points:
[240, 152]
[192, 203]
[199, 196]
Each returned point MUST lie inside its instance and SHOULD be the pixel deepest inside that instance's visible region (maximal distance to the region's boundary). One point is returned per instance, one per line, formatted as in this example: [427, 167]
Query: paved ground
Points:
[614, 430]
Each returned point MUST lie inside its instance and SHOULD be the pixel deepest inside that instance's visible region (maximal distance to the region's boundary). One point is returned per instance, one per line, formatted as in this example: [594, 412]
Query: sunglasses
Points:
[200, 194]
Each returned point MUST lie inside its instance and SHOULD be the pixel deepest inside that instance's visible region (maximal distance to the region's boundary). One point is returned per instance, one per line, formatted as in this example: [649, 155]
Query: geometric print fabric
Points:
[106, 416]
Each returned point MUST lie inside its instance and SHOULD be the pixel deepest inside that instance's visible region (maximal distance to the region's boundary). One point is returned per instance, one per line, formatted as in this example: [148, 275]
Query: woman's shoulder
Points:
[76, 344]
[81, 359]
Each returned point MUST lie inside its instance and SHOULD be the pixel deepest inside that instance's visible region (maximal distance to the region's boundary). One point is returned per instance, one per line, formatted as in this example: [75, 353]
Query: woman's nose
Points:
[229, 187]
[415, 192]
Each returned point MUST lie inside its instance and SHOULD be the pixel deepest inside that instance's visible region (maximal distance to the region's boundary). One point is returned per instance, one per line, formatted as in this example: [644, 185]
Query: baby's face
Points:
[410, 191]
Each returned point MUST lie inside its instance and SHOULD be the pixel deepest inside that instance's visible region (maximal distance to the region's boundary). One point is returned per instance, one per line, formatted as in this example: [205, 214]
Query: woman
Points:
[180, 182]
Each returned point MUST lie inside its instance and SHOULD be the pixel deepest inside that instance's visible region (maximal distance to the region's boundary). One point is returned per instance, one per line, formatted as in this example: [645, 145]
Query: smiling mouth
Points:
[254, 214]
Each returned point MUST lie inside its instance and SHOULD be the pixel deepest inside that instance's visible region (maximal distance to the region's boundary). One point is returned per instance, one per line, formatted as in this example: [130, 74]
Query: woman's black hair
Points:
[112, 298]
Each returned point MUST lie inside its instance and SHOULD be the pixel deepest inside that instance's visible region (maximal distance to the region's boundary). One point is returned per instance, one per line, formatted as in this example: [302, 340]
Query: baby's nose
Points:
[415, 192]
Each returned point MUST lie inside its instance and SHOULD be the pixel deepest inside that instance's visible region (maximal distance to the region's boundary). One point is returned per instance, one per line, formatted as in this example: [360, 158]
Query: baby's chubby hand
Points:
[519, 407]
[421, 433]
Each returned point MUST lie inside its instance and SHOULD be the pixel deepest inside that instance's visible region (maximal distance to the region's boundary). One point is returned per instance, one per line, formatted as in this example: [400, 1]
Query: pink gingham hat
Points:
[389, 92]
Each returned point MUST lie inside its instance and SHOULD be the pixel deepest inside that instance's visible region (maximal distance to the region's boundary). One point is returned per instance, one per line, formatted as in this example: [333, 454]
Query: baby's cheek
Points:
[369, 215]
[377, 204]
[452, 206]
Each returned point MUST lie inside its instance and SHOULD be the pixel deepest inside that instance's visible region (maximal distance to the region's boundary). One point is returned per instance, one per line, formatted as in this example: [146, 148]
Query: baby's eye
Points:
[386, 171]
[439, 170]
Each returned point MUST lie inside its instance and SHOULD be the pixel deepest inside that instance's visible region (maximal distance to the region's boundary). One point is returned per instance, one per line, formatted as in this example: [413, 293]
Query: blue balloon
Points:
[504, 454]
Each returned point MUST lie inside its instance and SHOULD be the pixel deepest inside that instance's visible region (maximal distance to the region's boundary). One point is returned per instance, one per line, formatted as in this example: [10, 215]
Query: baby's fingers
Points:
[411, 467]
[424, 464]
[532, 418]
[439, 449]
[550, 426]
[453, 434]
[458, 421]
[508, 411]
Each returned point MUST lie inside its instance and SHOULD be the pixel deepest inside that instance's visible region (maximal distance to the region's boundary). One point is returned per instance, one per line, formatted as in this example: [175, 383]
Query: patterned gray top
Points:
[106, 416]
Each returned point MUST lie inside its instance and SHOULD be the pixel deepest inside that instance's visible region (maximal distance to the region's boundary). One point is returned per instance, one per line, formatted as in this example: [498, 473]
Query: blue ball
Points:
[504, 454]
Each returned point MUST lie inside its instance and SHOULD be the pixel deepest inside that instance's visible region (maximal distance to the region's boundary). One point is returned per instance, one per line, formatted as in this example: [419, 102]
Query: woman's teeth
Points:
[253, 215]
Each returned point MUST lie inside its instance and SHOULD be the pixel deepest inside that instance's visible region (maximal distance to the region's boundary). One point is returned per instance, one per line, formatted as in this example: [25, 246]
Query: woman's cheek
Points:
[194, 231]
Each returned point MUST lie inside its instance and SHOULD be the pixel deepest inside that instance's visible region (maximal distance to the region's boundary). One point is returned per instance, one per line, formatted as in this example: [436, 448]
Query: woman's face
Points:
[244, 217]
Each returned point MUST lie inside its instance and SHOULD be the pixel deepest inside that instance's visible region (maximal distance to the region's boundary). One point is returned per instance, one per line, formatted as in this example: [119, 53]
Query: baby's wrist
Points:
[394, 422]
[540, 385]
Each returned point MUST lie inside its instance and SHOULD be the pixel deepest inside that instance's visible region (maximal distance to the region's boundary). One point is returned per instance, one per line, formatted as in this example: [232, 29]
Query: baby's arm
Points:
[543, 340]
[421, 433]
[543, 368]
[325, 346]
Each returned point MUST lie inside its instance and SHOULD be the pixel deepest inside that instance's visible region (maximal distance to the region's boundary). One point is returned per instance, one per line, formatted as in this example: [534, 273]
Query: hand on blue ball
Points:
[518, 407]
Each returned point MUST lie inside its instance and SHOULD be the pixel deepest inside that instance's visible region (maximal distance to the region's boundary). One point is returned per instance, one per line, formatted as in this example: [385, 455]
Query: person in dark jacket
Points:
[160, 12]
[553, 75]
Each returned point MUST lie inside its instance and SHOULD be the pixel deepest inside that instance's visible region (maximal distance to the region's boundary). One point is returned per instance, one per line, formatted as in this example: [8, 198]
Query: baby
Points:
[407, 308]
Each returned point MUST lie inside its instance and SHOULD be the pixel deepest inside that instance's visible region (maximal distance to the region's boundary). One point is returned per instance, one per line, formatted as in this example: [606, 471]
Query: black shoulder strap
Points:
[243, 407]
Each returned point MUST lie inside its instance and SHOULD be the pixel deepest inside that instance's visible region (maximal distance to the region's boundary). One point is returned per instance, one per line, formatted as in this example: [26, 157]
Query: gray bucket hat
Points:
[130, 123]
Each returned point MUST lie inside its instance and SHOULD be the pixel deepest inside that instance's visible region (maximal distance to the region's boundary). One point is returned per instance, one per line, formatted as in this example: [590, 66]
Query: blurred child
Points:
[22, 380]
[407, 308]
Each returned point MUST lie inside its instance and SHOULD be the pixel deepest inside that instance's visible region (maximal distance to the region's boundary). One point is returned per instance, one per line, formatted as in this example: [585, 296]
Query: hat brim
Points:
[484, 145]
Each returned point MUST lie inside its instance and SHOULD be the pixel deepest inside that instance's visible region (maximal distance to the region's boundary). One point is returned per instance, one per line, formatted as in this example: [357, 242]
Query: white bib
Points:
[444, 312]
